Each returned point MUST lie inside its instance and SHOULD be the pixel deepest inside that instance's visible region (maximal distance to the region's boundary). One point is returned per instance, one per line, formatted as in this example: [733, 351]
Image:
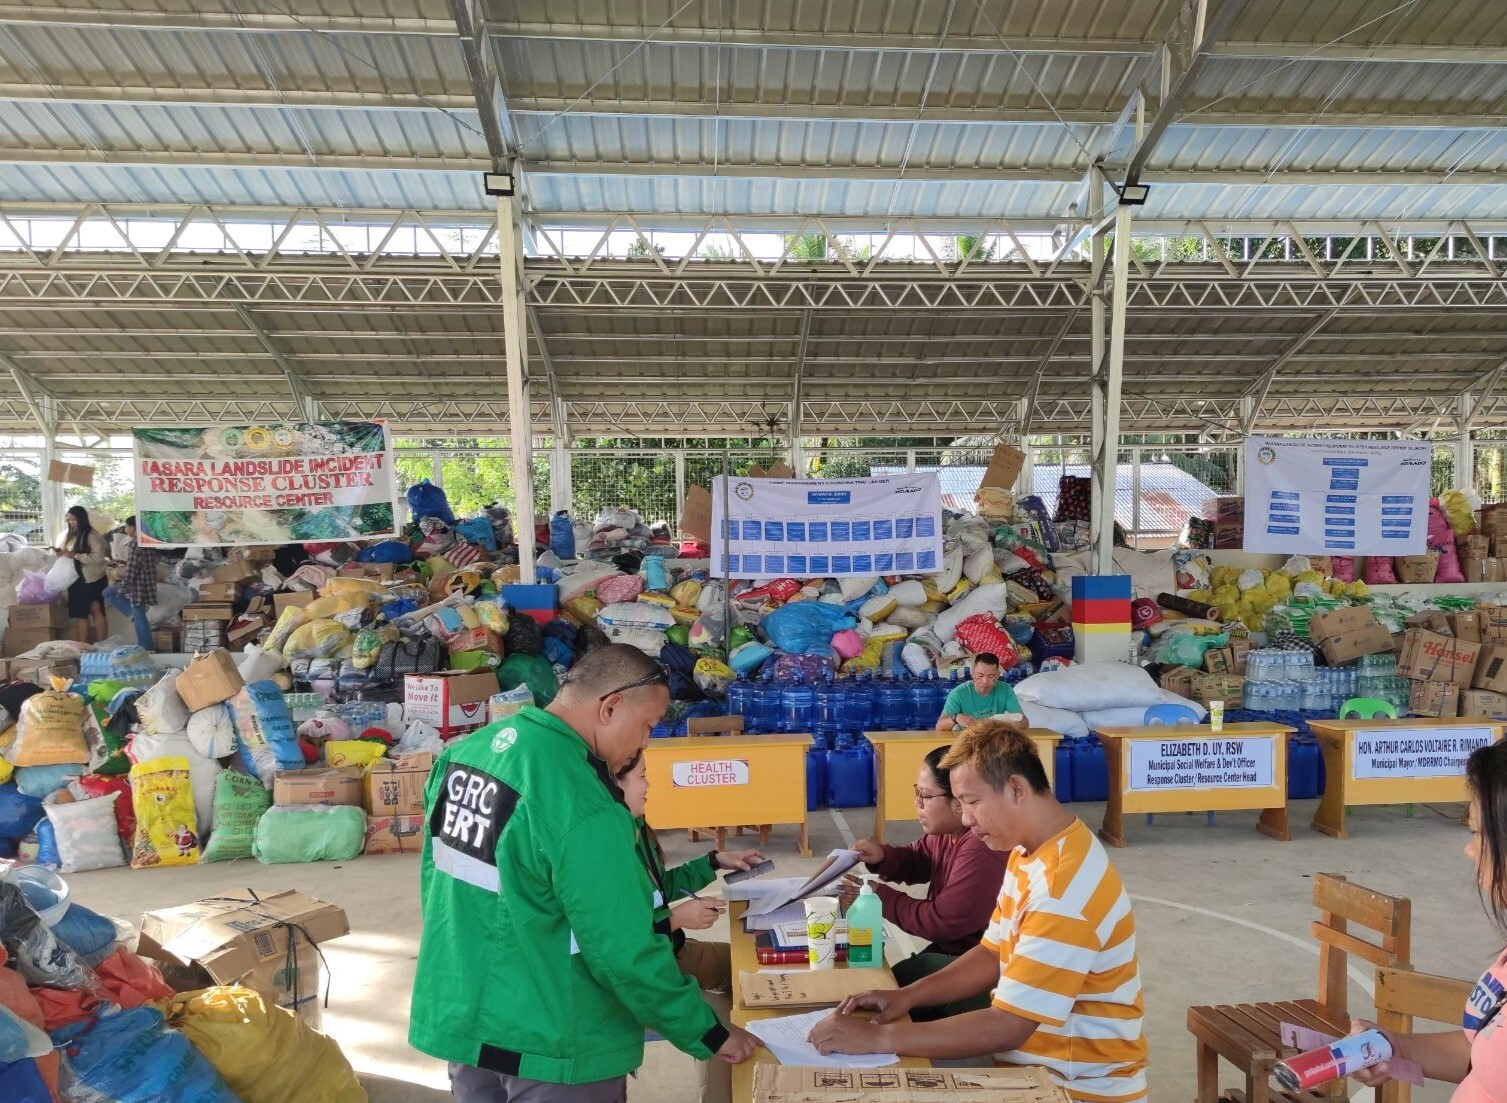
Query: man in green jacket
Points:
[539, 966]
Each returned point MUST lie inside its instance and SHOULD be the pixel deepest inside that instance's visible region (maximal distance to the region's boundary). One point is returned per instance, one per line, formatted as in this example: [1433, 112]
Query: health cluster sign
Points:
[803, 528]
[1313, 495]
[264, 484]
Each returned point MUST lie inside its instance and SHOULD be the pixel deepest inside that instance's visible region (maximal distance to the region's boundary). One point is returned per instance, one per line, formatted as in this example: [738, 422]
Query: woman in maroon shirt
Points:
[962, 876]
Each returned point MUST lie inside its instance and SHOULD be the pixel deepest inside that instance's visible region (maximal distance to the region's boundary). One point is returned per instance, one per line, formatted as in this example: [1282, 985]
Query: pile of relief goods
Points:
[86, 1016]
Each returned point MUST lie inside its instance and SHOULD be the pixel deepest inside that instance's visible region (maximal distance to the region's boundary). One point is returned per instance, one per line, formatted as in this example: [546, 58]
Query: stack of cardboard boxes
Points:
[1229, 523]
[33, 625]
[1457, 663]
[206, 620]
[390, 790]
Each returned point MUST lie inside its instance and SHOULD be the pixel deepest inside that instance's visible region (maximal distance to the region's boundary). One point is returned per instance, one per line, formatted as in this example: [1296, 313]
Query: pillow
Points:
[1058, 720]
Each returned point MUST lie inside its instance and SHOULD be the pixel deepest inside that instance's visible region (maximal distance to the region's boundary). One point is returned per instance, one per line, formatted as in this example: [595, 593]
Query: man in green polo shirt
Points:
[983, 696]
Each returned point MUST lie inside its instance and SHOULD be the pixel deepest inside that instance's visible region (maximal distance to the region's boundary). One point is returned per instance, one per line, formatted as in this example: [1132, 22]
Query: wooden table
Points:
[898, 757]
[746, 960]
[1415, 761]
[1191, 768]
[728, 781]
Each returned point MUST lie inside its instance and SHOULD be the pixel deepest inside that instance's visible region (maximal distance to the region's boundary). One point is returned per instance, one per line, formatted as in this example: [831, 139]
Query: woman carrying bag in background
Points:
[86, 596]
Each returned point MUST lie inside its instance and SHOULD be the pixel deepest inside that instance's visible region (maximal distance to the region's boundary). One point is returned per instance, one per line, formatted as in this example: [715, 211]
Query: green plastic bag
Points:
[309, 833]
[533, 671]
[1186, 649]
[240, 801]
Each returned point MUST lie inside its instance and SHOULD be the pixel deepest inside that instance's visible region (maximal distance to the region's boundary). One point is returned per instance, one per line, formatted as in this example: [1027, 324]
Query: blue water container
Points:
[738, 694]
[919, 696]
[827, 717]
[891, 707]
[850, 773]
[816, 773]
[764, 703]
[1062, 769]
[858, 705]
[1090, 770]
[797, 708]
[663, 731]
[1302, 767]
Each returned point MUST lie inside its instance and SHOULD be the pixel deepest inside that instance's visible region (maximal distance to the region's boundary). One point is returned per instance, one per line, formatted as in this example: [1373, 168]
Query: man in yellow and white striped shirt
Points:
[1059, 953]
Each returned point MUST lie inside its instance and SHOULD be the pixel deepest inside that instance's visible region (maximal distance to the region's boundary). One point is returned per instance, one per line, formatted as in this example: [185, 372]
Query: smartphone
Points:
[744, 874]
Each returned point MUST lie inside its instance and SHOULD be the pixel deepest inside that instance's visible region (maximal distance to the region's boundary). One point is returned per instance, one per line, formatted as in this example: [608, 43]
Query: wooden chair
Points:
[1403, 995]
[1249, 1035]
[710, 727]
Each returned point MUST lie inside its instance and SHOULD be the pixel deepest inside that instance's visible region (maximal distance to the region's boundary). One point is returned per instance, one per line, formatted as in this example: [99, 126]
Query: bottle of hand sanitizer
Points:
[866, 929]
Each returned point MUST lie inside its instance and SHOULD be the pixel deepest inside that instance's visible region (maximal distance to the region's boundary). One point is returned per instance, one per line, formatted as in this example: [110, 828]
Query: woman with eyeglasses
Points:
[962, 878]
[1475, 1056]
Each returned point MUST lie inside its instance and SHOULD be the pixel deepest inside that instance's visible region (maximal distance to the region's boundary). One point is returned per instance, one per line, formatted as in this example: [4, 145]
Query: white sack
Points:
[1092, 686]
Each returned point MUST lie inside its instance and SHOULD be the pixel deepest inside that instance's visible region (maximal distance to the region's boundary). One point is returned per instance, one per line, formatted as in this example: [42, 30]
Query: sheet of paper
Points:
[786, 1038]
[838, 863]
[759, 889]
[790, 913]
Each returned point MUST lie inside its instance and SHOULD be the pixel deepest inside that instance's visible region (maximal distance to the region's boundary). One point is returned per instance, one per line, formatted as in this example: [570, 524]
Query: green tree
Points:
[808, 246]
[970, 247]
[642, 248]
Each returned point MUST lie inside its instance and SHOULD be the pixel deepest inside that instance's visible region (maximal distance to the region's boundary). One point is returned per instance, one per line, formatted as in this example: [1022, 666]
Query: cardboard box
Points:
[1493, 620]
[394, 834]
[777, 470]
[1219, 660]
[164, 639]
[1433, 621]
[696, 514]
[1414, 570]
[1491, 667]
[395, 786]
[218, 592]
[475, 639]
[202, 635]
[1229, 688]
[1347, 634]
[319, 785]
[208, 680]
[291, 599]
[52, 616]
[774, 1083]
[39, 672]
[244, 630]
[1474, 570]
[70, 474]
[1434, 698]
[235, 570]
[18, 641]
[454, 701]
[1240, 648]
[1229, 535]
[1004, 468]
[1481, 702]
[1179, 680]
[1229, 509]
[1465, 626]
[211, 611]
[1431, 657]
[1474, 547]
[241, 937]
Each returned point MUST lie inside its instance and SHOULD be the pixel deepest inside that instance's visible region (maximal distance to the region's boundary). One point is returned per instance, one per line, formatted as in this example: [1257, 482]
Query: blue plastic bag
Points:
[20, 1082]
[85, 932]
[18, 812]
[43, 781]
[427, 500]
[807, 627]
[562, 535]
[385, 551]
[478, 531]
[47, 845]
[133, 1057]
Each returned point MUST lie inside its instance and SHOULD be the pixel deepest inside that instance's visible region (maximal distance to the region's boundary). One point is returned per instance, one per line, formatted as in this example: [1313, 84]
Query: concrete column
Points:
[520, 416]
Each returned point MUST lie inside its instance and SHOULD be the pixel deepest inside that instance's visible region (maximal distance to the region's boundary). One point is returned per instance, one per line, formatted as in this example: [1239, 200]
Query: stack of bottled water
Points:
[1282, 680]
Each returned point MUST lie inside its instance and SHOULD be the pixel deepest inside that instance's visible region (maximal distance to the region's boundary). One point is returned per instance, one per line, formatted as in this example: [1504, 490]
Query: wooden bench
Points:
[1402, 996]
[1249, 1035]
[711, 727]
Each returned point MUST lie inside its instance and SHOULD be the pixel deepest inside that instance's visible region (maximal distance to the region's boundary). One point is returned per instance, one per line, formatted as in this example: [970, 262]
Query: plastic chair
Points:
[1171, 714]
[1368, 708]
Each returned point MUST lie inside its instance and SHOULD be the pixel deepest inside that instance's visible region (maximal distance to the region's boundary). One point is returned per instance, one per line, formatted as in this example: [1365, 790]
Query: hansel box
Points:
[1433, 698]
[394, 834]
[320, 785]
[395, 786]
[1431, 657]
[454, 701]
[1491, 667]
[208, 680]
[1481, 702]
[241, 937]
[774, 1083]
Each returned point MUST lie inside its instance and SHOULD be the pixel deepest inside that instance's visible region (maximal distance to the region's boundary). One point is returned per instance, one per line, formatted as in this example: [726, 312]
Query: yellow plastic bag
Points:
[265, 1054]
[352, 752]
[1456, 506]
[686, 593]
[318, 639]
[324, 608]
[292, 619]
[50, 729]
[493, 617]
[166, 825]
[364, 588]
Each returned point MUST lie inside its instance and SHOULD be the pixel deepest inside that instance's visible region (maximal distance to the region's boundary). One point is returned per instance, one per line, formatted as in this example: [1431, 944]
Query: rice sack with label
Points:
[166, 826]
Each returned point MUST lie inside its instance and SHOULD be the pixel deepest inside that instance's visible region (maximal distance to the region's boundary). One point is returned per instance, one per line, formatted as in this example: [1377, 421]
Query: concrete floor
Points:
[1222, 916]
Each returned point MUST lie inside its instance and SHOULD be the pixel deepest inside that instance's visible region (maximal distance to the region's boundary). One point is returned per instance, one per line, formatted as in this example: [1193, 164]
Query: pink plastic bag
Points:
[1379, 571]
[32, 589]
[982, 634]
[618, 588]
[847, 643]
[1342, 567]
[1442, 539]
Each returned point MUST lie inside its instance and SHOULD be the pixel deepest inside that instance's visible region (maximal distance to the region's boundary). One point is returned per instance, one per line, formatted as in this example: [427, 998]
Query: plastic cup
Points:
[821, 931]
